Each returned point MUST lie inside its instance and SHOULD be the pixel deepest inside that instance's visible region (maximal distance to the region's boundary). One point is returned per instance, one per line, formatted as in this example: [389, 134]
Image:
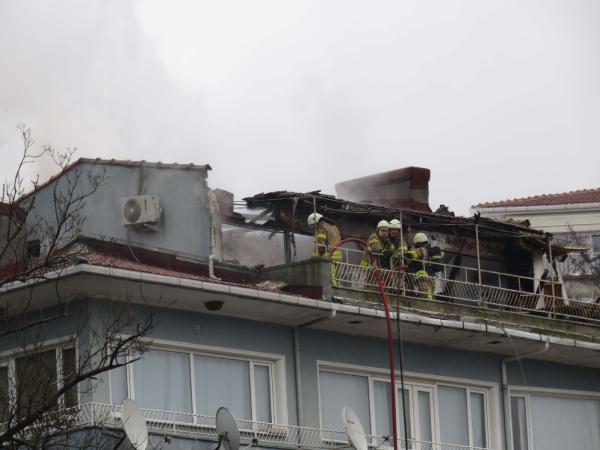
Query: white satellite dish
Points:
[134, 424]
[354, 429]
[227, 430]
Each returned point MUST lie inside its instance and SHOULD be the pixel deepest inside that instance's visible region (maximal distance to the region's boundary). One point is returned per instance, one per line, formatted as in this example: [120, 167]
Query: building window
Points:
[170, 371]
[338, 390]
[518, 416]
[32, 380]
[543, 422]
[596, 244]
[429, 412]
[4, 393]
[199, 383]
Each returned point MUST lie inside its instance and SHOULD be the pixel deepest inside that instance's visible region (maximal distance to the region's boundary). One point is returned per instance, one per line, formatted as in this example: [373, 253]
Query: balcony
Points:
[460, 291]
[472, 287]
[200, 427]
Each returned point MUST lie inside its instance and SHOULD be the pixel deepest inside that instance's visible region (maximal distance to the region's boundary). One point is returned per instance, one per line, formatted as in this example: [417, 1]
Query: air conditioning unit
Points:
[142, 210]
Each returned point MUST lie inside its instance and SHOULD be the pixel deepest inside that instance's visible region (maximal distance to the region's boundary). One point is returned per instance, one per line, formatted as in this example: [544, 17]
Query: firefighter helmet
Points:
[420, 238]
[383, 224]
[395, 224]
[314, 219]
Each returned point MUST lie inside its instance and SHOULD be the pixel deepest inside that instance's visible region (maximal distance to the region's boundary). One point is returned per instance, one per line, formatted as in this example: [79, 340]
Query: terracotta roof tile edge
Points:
[531, 200]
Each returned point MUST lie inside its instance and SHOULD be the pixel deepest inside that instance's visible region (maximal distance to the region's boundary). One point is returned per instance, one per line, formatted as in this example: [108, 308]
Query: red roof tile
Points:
[565, 198]
[109, 254]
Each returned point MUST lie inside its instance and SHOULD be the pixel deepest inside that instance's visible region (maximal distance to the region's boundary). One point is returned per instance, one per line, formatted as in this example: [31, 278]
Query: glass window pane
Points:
[478, 420]
[262, 393]
[425, 433]
[453, 415]
[403, 414]
[162, 381]
[118, 384]
[68, 373]
[383, 408]
[118, 381]
[338, 390]
[596, 244]
[36, 381]
[3, 393]
[558, 423]
[519, 423]
[222, 382]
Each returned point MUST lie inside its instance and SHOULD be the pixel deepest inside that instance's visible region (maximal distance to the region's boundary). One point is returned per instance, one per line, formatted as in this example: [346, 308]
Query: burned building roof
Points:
[289, 210]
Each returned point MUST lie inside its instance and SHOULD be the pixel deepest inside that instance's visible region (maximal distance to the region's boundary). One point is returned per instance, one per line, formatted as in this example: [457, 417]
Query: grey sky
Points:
[498, 98]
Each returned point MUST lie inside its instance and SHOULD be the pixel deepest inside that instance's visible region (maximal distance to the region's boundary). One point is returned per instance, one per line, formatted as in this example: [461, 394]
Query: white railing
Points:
[462, 285]
[196, 426]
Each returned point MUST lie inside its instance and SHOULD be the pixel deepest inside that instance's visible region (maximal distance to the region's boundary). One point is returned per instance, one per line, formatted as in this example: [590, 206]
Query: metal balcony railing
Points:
[469, 286]
[195, 426]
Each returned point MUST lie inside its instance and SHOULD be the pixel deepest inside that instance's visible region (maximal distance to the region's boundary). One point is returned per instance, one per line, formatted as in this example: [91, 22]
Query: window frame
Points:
[526, 393]
[276, 365]
[8, 359]
[418, 381]
[594, 251]
[525, 398]
[468, 390]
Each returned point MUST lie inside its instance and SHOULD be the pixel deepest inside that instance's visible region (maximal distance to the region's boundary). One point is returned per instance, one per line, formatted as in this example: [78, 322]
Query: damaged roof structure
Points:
[248, 318]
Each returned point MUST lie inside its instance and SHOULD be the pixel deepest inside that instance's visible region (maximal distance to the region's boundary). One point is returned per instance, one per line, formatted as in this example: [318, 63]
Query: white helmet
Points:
[383, 224]
[420, 238]
[395, 224]
[313, 219]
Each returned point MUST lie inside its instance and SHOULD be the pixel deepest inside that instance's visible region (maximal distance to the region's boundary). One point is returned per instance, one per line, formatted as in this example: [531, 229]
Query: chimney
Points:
[406, 188]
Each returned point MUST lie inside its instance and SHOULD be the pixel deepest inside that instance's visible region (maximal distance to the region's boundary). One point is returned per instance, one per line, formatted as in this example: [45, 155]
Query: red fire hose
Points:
[390, 334]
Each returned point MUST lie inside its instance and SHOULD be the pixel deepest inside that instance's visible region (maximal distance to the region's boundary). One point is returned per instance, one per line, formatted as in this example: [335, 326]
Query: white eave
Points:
[298, 311]
[540, 209]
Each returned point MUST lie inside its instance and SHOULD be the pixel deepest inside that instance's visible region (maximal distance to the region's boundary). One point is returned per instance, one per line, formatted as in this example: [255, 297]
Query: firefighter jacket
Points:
[399, 251]
[328, 238]
[382, 249]
[421, 259]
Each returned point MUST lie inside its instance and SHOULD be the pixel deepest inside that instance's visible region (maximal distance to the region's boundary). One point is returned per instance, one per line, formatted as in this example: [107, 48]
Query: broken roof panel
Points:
[301, 204]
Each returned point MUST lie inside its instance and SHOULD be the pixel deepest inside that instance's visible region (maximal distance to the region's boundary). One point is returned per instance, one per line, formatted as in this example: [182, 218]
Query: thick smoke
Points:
[80, 74]
[498, 100]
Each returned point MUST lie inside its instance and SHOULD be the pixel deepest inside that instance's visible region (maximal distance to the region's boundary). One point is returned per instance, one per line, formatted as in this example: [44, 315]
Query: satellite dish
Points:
[227, 429]
[354, 429]
[134, 424]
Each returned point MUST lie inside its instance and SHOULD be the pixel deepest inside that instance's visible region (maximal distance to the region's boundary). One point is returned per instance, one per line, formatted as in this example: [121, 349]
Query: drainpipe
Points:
[505, 393]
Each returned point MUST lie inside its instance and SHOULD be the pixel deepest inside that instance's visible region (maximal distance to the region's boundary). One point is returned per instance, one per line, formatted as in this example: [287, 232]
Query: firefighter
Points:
[399, 248]
[379, 243]
[328, 238]
[422, 255]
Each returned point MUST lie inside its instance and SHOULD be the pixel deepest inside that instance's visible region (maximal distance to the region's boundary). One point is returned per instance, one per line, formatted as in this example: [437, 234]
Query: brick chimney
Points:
[406, 188]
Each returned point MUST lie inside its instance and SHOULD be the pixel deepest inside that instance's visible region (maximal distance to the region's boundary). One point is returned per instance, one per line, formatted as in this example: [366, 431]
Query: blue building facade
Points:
[285, 360]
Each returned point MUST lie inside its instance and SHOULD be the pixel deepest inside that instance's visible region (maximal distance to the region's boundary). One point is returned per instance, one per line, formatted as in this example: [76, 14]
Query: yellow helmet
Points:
[383, 224]
[395, 224]
[420, 238]
[313, 219]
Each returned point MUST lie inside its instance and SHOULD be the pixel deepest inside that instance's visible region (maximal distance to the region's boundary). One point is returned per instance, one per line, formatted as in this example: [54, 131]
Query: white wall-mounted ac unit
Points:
[141, 210]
